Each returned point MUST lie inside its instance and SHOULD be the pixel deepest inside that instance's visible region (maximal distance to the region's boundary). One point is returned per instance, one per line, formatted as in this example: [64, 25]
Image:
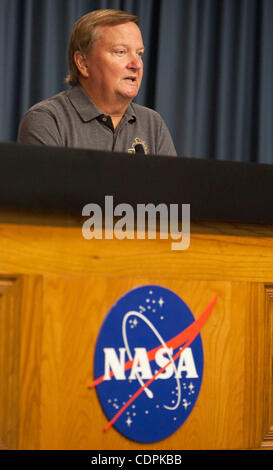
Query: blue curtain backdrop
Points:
[208, 68]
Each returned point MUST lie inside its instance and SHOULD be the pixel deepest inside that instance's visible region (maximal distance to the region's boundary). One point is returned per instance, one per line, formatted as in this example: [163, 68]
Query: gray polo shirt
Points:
[71, 119]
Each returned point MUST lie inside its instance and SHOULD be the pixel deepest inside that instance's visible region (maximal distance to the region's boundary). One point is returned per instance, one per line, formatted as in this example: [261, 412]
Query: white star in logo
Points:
[128, 421]
[161, 302]
[185, 404]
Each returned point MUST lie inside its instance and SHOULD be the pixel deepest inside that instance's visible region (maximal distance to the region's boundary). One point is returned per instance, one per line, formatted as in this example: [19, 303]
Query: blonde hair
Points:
[85, 32]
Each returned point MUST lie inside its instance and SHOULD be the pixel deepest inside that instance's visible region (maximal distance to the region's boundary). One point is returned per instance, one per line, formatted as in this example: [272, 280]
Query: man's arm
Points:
[165, 142]
[39, 127]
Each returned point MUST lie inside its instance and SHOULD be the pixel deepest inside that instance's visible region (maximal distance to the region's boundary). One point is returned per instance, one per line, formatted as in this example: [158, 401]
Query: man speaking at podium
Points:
[97, 112]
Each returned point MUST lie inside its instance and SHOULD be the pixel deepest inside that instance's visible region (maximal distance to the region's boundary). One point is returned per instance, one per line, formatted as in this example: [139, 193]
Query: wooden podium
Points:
[56, 289]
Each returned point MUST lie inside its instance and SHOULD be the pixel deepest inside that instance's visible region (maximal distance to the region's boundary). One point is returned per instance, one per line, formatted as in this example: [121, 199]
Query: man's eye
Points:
[120, 52]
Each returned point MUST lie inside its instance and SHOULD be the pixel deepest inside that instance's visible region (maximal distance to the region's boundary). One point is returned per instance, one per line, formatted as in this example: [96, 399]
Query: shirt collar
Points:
[87, 109]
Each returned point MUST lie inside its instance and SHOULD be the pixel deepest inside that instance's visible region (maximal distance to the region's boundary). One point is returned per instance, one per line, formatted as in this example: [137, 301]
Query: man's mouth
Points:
[131, 79]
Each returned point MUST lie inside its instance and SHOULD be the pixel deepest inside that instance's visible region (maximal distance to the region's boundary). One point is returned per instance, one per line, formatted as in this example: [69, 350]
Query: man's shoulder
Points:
[51, 104]
[44, 122]
[143, 111]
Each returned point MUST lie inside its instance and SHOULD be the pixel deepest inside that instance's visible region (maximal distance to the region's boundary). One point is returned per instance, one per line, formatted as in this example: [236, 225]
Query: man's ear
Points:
[81, 63]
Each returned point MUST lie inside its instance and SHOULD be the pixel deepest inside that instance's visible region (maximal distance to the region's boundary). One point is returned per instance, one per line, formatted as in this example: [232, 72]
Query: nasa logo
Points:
[149, 363]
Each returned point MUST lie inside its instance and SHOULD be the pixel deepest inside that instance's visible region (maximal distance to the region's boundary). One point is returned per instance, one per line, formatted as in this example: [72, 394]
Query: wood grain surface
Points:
[56, 289]
[59, 250]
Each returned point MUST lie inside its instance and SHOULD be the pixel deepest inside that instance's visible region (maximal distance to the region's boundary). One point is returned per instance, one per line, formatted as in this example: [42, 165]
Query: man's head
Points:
[105, 54]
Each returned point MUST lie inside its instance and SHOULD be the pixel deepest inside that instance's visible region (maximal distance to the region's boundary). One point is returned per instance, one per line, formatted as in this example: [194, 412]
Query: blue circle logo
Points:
[148, 364]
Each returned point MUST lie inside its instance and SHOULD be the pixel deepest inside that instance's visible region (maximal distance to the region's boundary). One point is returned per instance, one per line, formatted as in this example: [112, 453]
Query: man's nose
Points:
[135, 62]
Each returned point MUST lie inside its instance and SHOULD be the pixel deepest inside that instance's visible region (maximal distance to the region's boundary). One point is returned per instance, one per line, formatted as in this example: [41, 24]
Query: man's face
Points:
[115, 65]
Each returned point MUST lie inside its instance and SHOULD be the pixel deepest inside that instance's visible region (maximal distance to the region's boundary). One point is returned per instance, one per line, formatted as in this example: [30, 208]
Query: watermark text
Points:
[146, 222]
